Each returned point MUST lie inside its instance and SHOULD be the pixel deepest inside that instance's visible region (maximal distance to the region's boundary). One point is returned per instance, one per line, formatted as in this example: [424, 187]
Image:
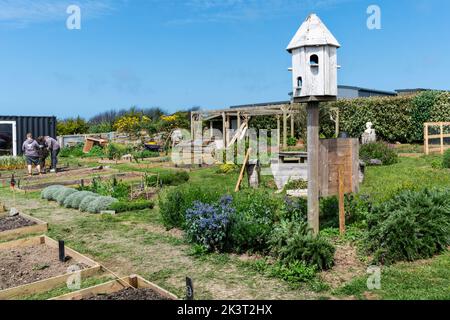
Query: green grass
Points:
[381, 183]
[62, 290]
[427, 280]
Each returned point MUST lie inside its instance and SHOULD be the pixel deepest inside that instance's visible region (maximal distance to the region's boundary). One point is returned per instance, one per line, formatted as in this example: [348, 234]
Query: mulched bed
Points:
[10, 223]
[30, 264]
[130, 294]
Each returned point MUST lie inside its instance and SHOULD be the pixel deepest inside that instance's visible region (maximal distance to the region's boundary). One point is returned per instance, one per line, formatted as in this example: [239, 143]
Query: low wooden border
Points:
[39, 228]
[51, 283]
[117, 285]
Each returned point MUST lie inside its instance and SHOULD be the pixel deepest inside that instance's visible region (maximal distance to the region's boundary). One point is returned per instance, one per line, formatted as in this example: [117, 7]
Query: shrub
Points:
[139, 155]
[61, 196]
[256, 212]
[411, 226]
[113, 187]
[227, 168]
[380, 151]
[75, 199]
[167, 179]
[72, 152]
[293, 272]
[294, 209]
[102, 127]
[292, 142]
[49, 192]
[126, 206]
[446, 160]
[207, 224]
[115, 151]
[84, 204]
[100, 204]
[71, 126]
[294, 241]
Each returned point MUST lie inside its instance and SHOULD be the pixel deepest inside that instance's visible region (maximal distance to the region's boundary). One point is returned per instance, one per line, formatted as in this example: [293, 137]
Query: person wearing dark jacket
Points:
[30, 150]
[53, 147]
[43, 153]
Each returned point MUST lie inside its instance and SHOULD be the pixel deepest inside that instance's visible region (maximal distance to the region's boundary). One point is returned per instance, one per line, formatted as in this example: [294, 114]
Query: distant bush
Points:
[100, 204]
[127, 206]
[446, 159]
[296, 185]
[103, 127]
[144, 154]
[72, 152]
[410, 226]
[380, 151]
[71, 126]
[61, 196]
[85, 203]
[167, 179]
[207, 224]
[294, 241]
[115, 151]
[292, 142]
[174, 203]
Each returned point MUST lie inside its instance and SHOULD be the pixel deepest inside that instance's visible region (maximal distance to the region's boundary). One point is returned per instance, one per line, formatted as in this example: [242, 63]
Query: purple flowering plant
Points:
[207, 224]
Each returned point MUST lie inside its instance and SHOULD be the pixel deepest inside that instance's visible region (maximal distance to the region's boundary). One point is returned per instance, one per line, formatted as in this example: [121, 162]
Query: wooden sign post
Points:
[313, 166]
[341, 201]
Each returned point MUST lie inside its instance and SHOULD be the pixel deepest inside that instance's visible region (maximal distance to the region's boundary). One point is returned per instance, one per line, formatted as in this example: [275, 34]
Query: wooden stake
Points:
[427, 149]
[313, 166]
[241, 175]
[442, 138]
[341, 201]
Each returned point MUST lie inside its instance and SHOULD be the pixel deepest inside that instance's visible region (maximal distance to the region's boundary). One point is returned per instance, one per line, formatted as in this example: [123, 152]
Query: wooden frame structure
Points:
[51, 283]
[134, 281]
[442, 136]
[39, 228]
[284, 111]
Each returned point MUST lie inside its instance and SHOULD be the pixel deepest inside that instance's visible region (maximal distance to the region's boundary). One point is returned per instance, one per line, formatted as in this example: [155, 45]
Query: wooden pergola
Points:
[284, 113]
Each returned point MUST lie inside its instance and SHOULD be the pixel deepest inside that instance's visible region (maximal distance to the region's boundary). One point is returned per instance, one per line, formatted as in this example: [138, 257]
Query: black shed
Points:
[13, 131]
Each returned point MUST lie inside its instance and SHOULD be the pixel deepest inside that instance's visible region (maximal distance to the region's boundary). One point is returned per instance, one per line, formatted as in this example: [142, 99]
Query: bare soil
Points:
[30, 264]
[131, 294]
[11, 223]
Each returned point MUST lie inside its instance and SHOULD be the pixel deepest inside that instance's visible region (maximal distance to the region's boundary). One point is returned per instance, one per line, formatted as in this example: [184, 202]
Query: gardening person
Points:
[30, 149]
[53, 147]
[43, 153]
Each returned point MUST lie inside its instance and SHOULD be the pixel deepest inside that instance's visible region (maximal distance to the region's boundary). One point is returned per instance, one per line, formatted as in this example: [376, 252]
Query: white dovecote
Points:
[314, 62]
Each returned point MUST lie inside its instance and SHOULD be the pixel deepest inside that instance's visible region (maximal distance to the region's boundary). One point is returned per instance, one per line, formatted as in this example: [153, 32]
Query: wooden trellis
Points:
[430, 148]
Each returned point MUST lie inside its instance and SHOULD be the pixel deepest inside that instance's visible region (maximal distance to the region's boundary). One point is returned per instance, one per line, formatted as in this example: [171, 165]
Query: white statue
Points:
[369, 135]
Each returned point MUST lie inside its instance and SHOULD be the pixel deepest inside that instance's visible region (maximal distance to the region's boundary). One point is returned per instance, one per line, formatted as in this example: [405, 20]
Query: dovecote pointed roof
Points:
[312, 32]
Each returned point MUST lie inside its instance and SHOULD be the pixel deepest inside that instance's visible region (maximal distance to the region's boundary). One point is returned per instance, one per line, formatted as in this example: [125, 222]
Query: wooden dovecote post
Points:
[314, 75]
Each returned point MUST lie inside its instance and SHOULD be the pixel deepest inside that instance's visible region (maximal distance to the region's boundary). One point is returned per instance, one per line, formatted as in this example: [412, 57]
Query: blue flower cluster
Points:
[207, 224]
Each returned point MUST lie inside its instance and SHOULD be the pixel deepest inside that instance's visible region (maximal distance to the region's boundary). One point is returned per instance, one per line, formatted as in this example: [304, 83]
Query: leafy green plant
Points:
[173, 203]
[227, 168]
[292, 142]
[256, 212]
[128, 206]
[446, 160]
[296, 185]
[113, 187]
[75, 151]
[380, 151]
[410, 226]
[167, 179]
[294, 241]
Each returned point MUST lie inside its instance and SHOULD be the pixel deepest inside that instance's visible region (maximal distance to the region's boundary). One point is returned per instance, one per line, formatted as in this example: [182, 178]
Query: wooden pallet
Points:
[51, 283]
[39, 228]
[134, 281]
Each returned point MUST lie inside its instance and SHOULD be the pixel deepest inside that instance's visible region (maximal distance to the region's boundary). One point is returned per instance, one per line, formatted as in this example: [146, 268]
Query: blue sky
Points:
[177, 54]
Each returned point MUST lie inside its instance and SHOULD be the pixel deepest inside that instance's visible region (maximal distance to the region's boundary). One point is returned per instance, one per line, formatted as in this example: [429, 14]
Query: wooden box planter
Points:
[50, 283]
[39, 228]
[135, 281]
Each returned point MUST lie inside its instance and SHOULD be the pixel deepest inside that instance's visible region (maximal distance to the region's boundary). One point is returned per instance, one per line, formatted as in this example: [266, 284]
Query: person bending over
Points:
[43, 153]
[54, 148]
[30, 149]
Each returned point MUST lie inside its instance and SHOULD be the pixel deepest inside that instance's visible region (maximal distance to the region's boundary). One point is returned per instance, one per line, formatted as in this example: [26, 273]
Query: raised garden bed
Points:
[30, 266]
[14, 227]
[82, 180]
[129, 288]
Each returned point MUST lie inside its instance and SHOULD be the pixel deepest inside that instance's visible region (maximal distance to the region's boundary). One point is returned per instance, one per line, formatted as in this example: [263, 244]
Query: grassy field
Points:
[137, 242]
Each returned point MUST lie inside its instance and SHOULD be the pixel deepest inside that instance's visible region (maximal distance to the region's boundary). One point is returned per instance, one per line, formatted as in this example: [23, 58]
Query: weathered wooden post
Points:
[314, 73]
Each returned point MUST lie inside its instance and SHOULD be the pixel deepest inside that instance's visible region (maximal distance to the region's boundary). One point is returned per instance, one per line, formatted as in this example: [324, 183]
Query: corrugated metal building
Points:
[13, 131]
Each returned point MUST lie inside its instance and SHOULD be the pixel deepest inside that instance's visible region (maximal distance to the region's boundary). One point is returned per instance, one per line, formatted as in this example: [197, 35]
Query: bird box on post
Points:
[314, 62]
